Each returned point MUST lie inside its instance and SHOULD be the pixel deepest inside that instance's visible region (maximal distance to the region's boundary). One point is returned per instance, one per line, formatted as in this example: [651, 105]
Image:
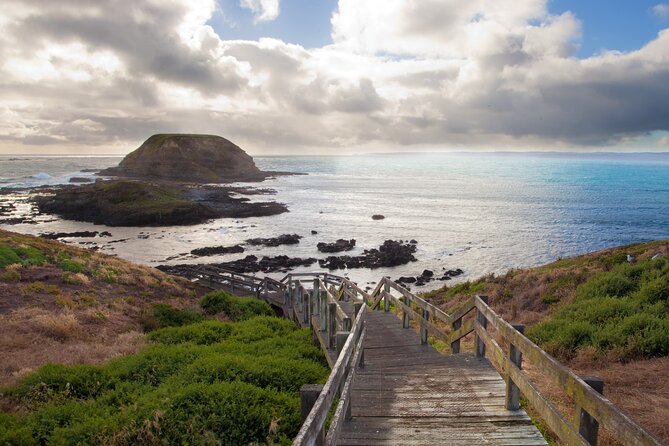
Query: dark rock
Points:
[216, 250]
[105, 234]
[57, 235]
[338, 246]
[378, 217]
[314, 232]
[284, 239]
[247, 265]
[17, 221]
[413, 241]
[391, 253]
[81, 180]
[427, 273]
[409, 279]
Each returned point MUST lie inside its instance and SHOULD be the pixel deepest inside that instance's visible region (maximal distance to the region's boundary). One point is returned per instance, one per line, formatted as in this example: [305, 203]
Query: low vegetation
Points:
[210, 382]
[130, 355]
[78, 305]
[623, 312]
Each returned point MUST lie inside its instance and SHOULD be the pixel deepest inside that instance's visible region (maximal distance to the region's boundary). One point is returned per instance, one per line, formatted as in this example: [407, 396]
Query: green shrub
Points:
[230, 413]
[236, 308]
[58, 382]
[168, 316]
[265, 371]
[8, 256]
[30, 255]
[624, 311]
[204, 333]
[154, 365]
[239, 386]
[71, 265]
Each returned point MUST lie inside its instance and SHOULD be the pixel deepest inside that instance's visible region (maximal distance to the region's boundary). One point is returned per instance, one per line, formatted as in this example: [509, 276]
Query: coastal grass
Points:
[236, 308]
[623, 312]
[210, 382]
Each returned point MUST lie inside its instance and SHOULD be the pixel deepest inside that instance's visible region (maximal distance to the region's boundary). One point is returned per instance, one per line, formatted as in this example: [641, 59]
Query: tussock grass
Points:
[623, 312]
[210, 382]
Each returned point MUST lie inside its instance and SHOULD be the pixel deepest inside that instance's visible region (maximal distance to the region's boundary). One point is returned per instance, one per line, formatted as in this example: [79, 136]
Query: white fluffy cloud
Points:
[409, 74]
[264, 10]
[661, 11]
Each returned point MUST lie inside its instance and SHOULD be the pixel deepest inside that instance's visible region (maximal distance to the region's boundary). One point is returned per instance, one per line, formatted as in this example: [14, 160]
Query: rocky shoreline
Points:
[137, 203]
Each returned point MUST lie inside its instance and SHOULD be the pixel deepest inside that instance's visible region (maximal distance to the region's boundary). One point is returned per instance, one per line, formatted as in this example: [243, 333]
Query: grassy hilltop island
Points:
[97, 350]
[189, 158]
[171, 179]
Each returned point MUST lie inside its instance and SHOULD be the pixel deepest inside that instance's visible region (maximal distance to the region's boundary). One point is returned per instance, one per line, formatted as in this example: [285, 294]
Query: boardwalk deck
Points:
[410, 394]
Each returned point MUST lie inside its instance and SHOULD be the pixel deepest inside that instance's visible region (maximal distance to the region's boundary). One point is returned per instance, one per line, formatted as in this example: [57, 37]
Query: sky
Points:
[335, 77]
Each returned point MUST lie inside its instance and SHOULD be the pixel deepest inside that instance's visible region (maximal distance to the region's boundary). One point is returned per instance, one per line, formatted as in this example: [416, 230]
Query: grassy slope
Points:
[76, 304]
[195, 382]
[600, 315]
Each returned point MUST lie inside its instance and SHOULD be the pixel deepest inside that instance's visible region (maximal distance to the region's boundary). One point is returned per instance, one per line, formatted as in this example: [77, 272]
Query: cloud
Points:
[660, 11]
[403, 75]
[264, 10]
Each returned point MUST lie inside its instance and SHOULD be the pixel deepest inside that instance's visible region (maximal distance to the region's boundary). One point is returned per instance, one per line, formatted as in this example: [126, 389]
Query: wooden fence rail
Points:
[338, 384]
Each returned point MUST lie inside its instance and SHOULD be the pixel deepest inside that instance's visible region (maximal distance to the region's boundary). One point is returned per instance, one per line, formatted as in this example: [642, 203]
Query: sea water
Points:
[481, 212]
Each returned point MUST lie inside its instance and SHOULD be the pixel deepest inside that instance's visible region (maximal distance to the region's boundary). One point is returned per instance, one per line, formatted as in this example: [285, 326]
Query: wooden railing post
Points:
[483, 322]
[332, 323]
[324, 312]
[346, 324]
[386, 299]
[423, 327]
[340, 340]
[308, 395]
[455, 345]
[306, 306]
[356, 309]
[317, 292]
[512, 390]
[405, 314]
[588, 427]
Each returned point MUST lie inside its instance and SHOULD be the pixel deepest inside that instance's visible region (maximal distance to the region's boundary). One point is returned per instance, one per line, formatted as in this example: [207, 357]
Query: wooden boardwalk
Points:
[410, 394]
[388, 386]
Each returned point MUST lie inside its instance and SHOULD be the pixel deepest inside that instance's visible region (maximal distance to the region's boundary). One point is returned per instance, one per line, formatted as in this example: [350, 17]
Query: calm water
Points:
[480, 212]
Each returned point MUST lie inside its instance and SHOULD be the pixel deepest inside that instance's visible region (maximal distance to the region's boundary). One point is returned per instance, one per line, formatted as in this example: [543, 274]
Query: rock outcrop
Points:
[188, 158]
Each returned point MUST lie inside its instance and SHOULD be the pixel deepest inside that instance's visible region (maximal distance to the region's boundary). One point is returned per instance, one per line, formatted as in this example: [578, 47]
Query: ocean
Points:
[481, 212]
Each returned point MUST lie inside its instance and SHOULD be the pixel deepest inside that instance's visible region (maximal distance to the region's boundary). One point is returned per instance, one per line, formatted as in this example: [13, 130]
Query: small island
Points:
[189, 158]
[168, 180]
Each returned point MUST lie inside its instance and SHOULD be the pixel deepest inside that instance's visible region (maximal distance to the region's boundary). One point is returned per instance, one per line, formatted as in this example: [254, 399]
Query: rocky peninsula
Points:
[168, 180]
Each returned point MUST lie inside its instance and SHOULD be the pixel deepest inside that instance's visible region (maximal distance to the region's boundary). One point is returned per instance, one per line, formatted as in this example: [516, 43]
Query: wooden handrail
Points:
[345, 366]
[610, 417]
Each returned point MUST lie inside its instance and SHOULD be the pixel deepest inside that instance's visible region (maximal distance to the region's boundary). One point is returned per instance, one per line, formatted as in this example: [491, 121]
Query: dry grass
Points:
[63, 337]
[51, 315]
